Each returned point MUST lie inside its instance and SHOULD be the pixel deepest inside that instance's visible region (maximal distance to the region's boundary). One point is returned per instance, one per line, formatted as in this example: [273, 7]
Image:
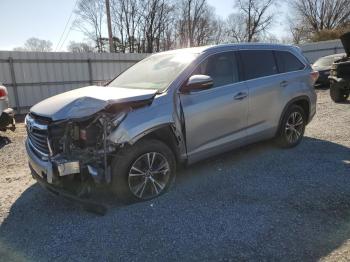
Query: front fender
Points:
[140, 122]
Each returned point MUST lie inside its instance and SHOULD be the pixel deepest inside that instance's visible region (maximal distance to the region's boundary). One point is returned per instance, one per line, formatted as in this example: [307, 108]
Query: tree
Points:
[299, 33]
[36, 45]
[90, 15]
[155, 17]
[317, 20]
[126, 19]
[323, 14]
[252, 19]
[215, 28]
[235, 29]
[192, 14]
[81, 47]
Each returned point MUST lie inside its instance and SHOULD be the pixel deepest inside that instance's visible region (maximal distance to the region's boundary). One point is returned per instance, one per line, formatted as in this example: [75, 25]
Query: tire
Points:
[338, 94]
[133, 180]
[292, 127]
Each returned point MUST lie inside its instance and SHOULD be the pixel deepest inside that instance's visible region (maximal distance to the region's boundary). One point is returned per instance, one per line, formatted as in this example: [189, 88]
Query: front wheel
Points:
[292, 127]
[143, 171]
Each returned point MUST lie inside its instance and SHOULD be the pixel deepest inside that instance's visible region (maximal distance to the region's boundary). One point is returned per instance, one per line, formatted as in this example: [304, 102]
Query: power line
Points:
[65, 39]
[65, 27]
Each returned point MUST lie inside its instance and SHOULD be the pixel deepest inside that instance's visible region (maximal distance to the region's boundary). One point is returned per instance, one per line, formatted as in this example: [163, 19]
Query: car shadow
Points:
[4, 140]
[254, 203]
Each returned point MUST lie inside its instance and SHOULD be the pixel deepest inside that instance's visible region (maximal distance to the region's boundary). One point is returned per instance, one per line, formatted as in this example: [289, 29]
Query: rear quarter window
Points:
[287, 62]
[258, 63]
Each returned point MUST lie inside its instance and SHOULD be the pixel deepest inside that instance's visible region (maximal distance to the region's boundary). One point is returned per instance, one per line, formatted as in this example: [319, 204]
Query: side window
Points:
[287, 62]
[222, 68]
[258, 63]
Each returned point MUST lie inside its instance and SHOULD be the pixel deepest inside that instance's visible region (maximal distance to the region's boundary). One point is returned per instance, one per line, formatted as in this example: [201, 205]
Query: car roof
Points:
[255, 45]
[222, 47]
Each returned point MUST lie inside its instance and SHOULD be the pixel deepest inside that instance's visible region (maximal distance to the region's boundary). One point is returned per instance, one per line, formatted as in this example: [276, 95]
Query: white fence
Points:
[314, 51]
[32, 76]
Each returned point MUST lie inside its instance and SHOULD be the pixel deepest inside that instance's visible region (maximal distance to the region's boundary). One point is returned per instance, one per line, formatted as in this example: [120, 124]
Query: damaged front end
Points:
[67, 142]
[72, 154]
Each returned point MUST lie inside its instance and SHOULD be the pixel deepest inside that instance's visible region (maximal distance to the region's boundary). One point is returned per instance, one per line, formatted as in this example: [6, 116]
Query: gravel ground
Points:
[258, 203]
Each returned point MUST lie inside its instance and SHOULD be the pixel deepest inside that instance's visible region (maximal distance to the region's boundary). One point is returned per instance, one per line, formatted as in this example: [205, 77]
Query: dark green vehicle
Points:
[340, 73]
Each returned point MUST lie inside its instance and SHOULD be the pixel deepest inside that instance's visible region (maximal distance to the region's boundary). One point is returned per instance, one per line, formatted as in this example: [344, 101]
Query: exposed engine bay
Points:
[84, 143]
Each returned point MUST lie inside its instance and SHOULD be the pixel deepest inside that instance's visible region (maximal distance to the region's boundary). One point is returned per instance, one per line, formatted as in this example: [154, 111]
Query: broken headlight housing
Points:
[119, 118]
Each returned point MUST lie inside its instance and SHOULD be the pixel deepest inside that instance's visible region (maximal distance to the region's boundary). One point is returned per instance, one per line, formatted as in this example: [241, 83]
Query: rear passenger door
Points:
[265, 88]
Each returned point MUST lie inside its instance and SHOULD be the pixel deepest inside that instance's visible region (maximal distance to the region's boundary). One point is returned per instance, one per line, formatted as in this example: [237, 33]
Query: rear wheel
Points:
[292, 128]
[144, 171]
[338, 94]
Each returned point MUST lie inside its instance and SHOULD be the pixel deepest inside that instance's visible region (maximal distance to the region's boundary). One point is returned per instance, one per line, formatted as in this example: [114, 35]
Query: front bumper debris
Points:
[7, 120]
[45, 168]
[87, 204]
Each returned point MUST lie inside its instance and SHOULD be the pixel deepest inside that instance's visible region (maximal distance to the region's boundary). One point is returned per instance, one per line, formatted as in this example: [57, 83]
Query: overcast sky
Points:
[45, 19]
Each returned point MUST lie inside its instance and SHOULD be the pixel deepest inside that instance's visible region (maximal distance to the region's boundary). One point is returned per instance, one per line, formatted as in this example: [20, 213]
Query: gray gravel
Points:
[258, 203]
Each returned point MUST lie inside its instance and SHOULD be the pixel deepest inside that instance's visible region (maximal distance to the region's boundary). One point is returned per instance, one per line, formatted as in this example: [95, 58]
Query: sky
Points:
[46, 19]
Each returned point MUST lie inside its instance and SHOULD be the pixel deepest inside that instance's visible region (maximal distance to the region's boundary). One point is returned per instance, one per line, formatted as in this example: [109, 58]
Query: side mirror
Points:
[197, 83]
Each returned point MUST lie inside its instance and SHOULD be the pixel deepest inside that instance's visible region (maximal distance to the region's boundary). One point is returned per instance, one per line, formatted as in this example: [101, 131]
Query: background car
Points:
[7, 115]
[323, 66]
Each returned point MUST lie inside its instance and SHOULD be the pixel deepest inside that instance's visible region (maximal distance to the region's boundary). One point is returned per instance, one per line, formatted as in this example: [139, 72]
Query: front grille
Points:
[37, 136]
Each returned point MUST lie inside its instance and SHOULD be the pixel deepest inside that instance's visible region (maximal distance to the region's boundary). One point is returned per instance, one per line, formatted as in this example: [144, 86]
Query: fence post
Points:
[14, 84]
[91, 80]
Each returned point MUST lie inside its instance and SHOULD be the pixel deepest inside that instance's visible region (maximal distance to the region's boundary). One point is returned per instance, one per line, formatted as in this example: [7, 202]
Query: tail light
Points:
[314, 75]
[3, 92]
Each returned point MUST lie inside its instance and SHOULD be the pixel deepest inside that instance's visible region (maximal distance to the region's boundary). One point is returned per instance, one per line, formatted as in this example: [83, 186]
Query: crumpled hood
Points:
[83, 102]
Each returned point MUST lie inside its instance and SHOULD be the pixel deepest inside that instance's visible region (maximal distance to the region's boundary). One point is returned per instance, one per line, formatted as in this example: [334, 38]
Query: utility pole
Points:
[110, 35]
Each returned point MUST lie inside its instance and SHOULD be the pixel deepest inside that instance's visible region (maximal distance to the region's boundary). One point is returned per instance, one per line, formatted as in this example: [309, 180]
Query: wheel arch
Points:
[303, 102]
[167, 134]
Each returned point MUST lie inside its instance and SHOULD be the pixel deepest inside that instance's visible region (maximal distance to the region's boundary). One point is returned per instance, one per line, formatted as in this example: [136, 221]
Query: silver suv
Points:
[172, 108]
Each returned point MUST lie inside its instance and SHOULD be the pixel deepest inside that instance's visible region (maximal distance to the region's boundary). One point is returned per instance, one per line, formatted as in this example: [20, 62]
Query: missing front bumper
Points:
[88, 204]
[45, 169]
[43, 173]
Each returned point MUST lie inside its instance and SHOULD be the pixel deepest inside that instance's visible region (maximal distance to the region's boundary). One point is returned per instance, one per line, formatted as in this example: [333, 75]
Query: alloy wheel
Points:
[294, 127]
[149, 175]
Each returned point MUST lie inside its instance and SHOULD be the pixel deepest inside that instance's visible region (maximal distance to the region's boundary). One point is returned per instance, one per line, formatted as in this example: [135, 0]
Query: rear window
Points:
[258, 63]
[287, 62]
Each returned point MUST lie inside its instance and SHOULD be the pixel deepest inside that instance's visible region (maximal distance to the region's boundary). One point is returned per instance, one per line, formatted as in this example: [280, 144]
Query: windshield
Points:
[326, 61]
[154, 72]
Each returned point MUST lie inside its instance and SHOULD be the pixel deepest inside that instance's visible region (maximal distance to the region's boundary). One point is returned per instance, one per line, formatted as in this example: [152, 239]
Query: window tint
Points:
[287, 62]
[222, 68]
[258, 63]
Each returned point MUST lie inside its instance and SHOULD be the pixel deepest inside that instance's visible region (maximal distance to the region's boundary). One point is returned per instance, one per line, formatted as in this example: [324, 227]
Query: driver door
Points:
[216, 118]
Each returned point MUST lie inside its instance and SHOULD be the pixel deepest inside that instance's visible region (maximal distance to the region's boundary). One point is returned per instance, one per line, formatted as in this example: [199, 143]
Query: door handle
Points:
[284, 83]
[240, 96]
